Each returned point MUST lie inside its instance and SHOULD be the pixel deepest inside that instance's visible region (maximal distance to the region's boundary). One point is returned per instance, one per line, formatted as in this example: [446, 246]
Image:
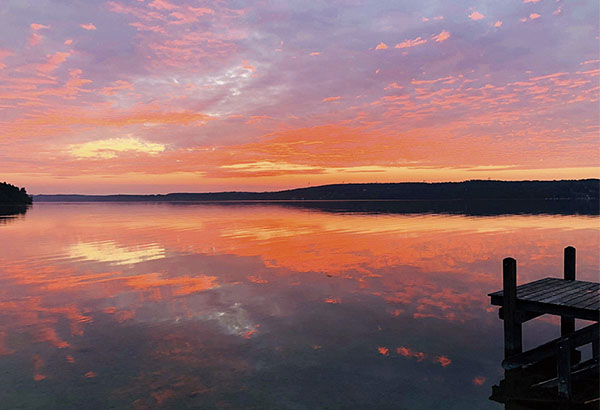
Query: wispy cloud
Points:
[88, 26]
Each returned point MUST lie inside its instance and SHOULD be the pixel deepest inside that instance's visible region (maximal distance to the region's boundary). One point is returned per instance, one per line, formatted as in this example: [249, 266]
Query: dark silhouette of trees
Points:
[10, 194]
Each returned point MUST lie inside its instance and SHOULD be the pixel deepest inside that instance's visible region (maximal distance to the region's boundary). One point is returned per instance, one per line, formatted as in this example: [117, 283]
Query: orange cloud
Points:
[88, 26]
[498, 23]
[36, 27]
[162, 5]
[479, 380]
[381, 46]
[476, 15]
[383, 350]
[328, 99]
[53, 61]
[443, 360]
[443, 36]
[534, 16]
[411, 43]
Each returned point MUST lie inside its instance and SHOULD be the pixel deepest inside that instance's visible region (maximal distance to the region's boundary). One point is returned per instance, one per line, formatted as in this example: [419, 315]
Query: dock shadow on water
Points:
[150, 306]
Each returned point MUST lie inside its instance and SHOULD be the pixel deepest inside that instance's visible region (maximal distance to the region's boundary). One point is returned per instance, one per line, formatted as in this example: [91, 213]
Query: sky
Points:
[156, 96]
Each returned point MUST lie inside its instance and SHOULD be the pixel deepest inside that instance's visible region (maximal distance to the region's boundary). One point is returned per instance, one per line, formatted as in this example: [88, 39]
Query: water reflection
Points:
[110, 252]
[9, 212]
[155, 306]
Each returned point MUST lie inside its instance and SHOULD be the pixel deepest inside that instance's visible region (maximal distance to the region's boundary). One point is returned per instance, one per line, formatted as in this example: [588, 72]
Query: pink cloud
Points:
[183, 18]
[88, 26]
[534, 16]
[498, 23]
[36, 27]
[443, 36]
[162, 5]
[200, 11]
[35, 39]
[315, 53]
[144, 27]
[411, 43]
[53, 61]
[68, 42]
[476, 15]
[530, 1]
[328, 99]
[381, 46]
[393, 86]
[557, 11]
[3, 55]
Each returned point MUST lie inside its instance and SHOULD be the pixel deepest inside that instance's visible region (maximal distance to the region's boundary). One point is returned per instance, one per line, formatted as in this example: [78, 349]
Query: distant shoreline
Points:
[587, 189]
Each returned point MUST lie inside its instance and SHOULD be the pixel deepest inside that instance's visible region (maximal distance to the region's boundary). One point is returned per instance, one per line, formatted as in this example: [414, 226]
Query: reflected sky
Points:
[264, 307]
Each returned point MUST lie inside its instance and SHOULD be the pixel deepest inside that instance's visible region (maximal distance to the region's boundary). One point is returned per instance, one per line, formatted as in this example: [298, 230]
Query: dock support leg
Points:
[567, 324]
[513, 338]
[563, 367]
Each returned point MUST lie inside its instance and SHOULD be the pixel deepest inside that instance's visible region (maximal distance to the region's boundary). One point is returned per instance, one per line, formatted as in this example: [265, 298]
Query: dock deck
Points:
[574, 298]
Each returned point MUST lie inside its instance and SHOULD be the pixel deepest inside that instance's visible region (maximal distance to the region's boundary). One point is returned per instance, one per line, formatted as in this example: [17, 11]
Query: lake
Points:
[173, 306]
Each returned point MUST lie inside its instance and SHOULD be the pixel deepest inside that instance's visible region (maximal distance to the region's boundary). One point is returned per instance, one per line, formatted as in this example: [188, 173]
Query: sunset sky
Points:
[154, 96]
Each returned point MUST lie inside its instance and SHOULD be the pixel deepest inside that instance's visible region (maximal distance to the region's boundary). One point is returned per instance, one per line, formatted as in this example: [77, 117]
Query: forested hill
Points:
[586, 189]
[10, 194]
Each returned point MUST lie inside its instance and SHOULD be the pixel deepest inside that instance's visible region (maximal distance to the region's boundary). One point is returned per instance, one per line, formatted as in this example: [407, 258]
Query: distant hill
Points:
[10, 194]
[585, 189]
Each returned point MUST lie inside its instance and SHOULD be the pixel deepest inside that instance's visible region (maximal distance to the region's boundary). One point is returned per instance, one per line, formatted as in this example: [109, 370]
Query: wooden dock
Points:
[553, 370]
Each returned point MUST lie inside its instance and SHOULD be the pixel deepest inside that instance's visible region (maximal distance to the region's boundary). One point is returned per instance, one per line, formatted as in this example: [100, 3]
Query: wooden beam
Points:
[567, 324]
[513, 333]
[579, 338]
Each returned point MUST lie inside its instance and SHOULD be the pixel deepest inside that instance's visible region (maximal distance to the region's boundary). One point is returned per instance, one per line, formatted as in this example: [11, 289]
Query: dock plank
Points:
[565, 294]
[589, 291]
[579, 299]
[557, 287]
[584, 298]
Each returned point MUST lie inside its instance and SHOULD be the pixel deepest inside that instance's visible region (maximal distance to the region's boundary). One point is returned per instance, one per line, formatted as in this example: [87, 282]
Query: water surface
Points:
[147, 306]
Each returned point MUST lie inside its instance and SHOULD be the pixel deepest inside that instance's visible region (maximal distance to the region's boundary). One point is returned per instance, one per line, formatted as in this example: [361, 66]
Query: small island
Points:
[13, 195]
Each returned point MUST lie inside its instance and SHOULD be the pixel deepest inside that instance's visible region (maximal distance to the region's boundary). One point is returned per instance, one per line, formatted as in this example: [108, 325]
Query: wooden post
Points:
[567, 324]
[563, 368]
[513, 339]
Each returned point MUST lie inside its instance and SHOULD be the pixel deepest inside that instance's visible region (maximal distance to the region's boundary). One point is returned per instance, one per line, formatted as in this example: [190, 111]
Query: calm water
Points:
[144, 306]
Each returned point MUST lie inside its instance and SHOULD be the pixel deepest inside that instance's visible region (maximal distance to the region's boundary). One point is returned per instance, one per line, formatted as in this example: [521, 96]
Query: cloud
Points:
[476, 15]
[35, 38]
[53, 61]
[88, 26]
[530, 1]
[443, 36]
[479, 380]
[111, 147]
[498, 23]
[381, 46]
[162, 5]
[411, 43]
[36, 27]
[534, 16]
[328, 99]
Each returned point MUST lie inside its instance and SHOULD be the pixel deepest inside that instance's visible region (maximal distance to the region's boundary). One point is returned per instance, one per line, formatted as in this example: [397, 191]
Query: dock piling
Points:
[567, 324]
[513, 334]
